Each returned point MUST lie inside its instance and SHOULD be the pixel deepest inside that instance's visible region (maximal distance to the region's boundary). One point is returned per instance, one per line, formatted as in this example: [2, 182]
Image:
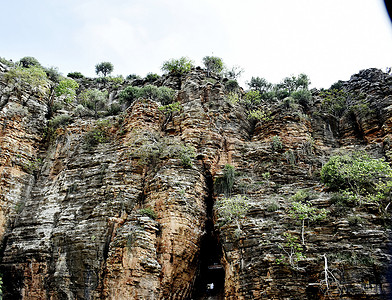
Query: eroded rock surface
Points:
[125, 219]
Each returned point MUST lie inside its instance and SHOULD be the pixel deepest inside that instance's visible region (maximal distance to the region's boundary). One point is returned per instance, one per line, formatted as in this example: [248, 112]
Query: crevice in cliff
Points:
[210, 279]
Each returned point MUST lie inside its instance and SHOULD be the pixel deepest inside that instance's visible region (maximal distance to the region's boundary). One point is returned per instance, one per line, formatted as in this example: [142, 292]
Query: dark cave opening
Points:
[210, 281]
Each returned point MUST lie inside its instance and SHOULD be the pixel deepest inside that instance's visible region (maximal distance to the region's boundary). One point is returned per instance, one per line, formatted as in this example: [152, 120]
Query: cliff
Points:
[127, 206]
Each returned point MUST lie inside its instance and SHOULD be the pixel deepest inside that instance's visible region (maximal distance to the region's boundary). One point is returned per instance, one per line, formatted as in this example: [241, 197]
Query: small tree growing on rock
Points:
[104, 68]
[177, 66]
[213, 64]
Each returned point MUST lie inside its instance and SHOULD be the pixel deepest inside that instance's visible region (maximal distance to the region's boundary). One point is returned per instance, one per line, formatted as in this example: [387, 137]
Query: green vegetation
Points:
[33, 166]
[177, 66]
[213, 64]
[58, 121]
[252, 99]
[67, 87]
[273, 206]
[334, 101]
[231, 209]
[171, 108]
[152, 77]
[116, 81]
[133, 77]
[104, 68]
[233, 98]
[337, 101]
[99, 134]
[94, 99]
[259, 84]
[29, 61]
[225, 183]
[357, 172]
[149, 212]
[276, 143]
[293, 251]
[75, 75]
[232, 86]
[53, 74]
[302, 210]
[163, 94]
[32, 77]
[6, 62]
[152, 148]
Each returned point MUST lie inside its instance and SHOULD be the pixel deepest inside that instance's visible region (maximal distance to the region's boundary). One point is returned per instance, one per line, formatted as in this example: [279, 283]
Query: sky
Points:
[327, 40]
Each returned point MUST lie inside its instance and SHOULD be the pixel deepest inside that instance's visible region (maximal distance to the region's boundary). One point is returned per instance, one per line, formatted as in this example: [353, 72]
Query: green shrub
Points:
[292, 251]
[6, 62]
[151, 148]
[163, 94]
[166, 95]
[233, 98]
[305, 211]
[114, 109]
[252, 99]
[301, 196]
[225, 183]
[60, 120]
[94, 99]
[273, 206]
[345, 198]
[231, 85]
[334, 101]
[130, 94]
[358, 173]
[231, 209]
[29, 61]
[259, 84]
[33, 77]
[117, 80]
[290, 157]
[99, 134]
[53, 74]
[171, 108]
[150, 91]
[259, 115]
[213, 64]
[67, 87]
[133, 77]
[276, 143]
[187, 154]
[302, 96]
[177, 66]
[152, 77]
[75, 75]
[149, 212]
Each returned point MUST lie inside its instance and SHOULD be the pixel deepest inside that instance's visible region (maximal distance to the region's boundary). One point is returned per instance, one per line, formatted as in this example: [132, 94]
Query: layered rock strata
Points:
[125, 219]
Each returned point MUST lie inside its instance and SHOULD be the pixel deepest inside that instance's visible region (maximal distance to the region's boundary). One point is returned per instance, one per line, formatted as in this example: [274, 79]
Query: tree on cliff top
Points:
[177, 66]
[29, 61]
[104, 68]
[213, 64]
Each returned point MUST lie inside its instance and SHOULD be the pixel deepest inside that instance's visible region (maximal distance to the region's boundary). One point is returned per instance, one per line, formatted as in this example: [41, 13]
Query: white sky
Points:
[326, 39]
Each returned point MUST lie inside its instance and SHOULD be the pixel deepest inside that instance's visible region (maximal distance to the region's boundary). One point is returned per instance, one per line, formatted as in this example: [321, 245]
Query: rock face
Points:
[131, 217]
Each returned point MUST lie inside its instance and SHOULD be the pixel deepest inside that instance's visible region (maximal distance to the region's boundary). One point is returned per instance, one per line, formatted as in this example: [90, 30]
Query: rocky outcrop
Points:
[131, 216]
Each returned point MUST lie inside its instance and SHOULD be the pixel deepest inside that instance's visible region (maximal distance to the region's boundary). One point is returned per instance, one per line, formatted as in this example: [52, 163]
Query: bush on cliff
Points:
[177, 66]
[33, 78]
[67, 87]
[29, 61]
[360, 174]
[213, 64]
